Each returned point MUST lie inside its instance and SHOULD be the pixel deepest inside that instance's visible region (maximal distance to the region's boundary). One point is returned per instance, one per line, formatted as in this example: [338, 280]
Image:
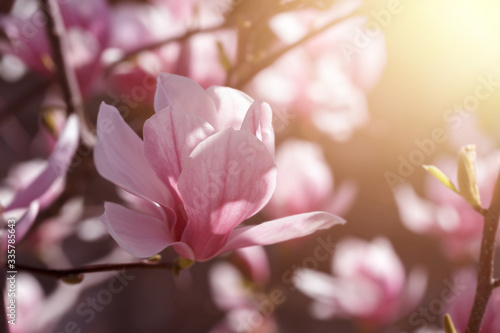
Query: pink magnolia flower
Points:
[34, 185]
[368, 284]
[238, 298]
[460, 306]
[205, 166]
[318, 81]
[87, 30]
[443, 213]
[305, 182]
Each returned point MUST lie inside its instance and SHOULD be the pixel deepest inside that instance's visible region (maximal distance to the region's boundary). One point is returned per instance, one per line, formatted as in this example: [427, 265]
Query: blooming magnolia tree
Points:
[215, 165]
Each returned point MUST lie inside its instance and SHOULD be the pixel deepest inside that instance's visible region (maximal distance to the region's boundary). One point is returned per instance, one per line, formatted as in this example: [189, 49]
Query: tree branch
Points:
[62, 273]
[252, 71]
[485, 281]
[65, 73]
[179, 38]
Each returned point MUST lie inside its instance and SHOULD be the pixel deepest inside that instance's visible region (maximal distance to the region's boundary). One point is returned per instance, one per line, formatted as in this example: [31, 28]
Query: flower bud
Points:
[467, 176]
[180, 264]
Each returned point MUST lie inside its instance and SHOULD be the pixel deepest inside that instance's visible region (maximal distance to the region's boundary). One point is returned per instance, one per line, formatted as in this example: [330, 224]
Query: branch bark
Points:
[63, 273]
[241, 79]
[485, 281]
[65, 73]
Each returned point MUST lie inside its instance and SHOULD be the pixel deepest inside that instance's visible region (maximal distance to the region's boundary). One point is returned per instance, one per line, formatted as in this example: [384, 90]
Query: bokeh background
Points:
[436, 55]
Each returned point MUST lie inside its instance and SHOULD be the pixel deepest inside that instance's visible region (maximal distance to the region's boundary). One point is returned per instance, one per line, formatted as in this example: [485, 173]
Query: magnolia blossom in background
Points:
[460, 307]
[34, 185]
[205, 166]
[240, 297]
[135, 25]
[200, 12]
[30, 298]
[252, 261]
[38, 311]
[368, 284]
[320, 80]
[305, 182]
[200, 57]
[445, 214]
[87, 25]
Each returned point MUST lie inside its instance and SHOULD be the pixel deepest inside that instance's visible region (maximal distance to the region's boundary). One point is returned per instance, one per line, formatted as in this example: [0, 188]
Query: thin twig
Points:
[65, 73]
[269, 60]
[179, 38]
[485, 281]
[61, 273]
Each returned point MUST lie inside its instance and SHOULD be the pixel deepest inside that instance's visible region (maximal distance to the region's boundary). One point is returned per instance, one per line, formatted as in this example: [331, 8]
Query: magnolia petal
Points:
[414, 291]
[259, 122]
[57, 165]
[184, 94]
[140, 235]
[317, 285]
[23, 224]
[280, 230]
[226, 179]
[169, 138]
[231, 105]
[417, 214]
[26, 221]
[343, 199]
[226, 284]
[119, 157]
[255, 262]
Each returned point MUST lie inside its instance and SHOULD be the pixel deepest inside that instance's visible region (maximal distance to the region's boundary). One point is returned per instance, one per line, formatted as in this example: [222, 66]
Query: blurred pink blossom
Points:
[205, 166]
[40, 180]
[239, 298]
[305, 182]
[445, 214]
[51, 125]
[369, 284]
[34, 185]
[460, 308]
[30, 298]
[253, 261]
[87, 31]
[198, 57]
[318, 80]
